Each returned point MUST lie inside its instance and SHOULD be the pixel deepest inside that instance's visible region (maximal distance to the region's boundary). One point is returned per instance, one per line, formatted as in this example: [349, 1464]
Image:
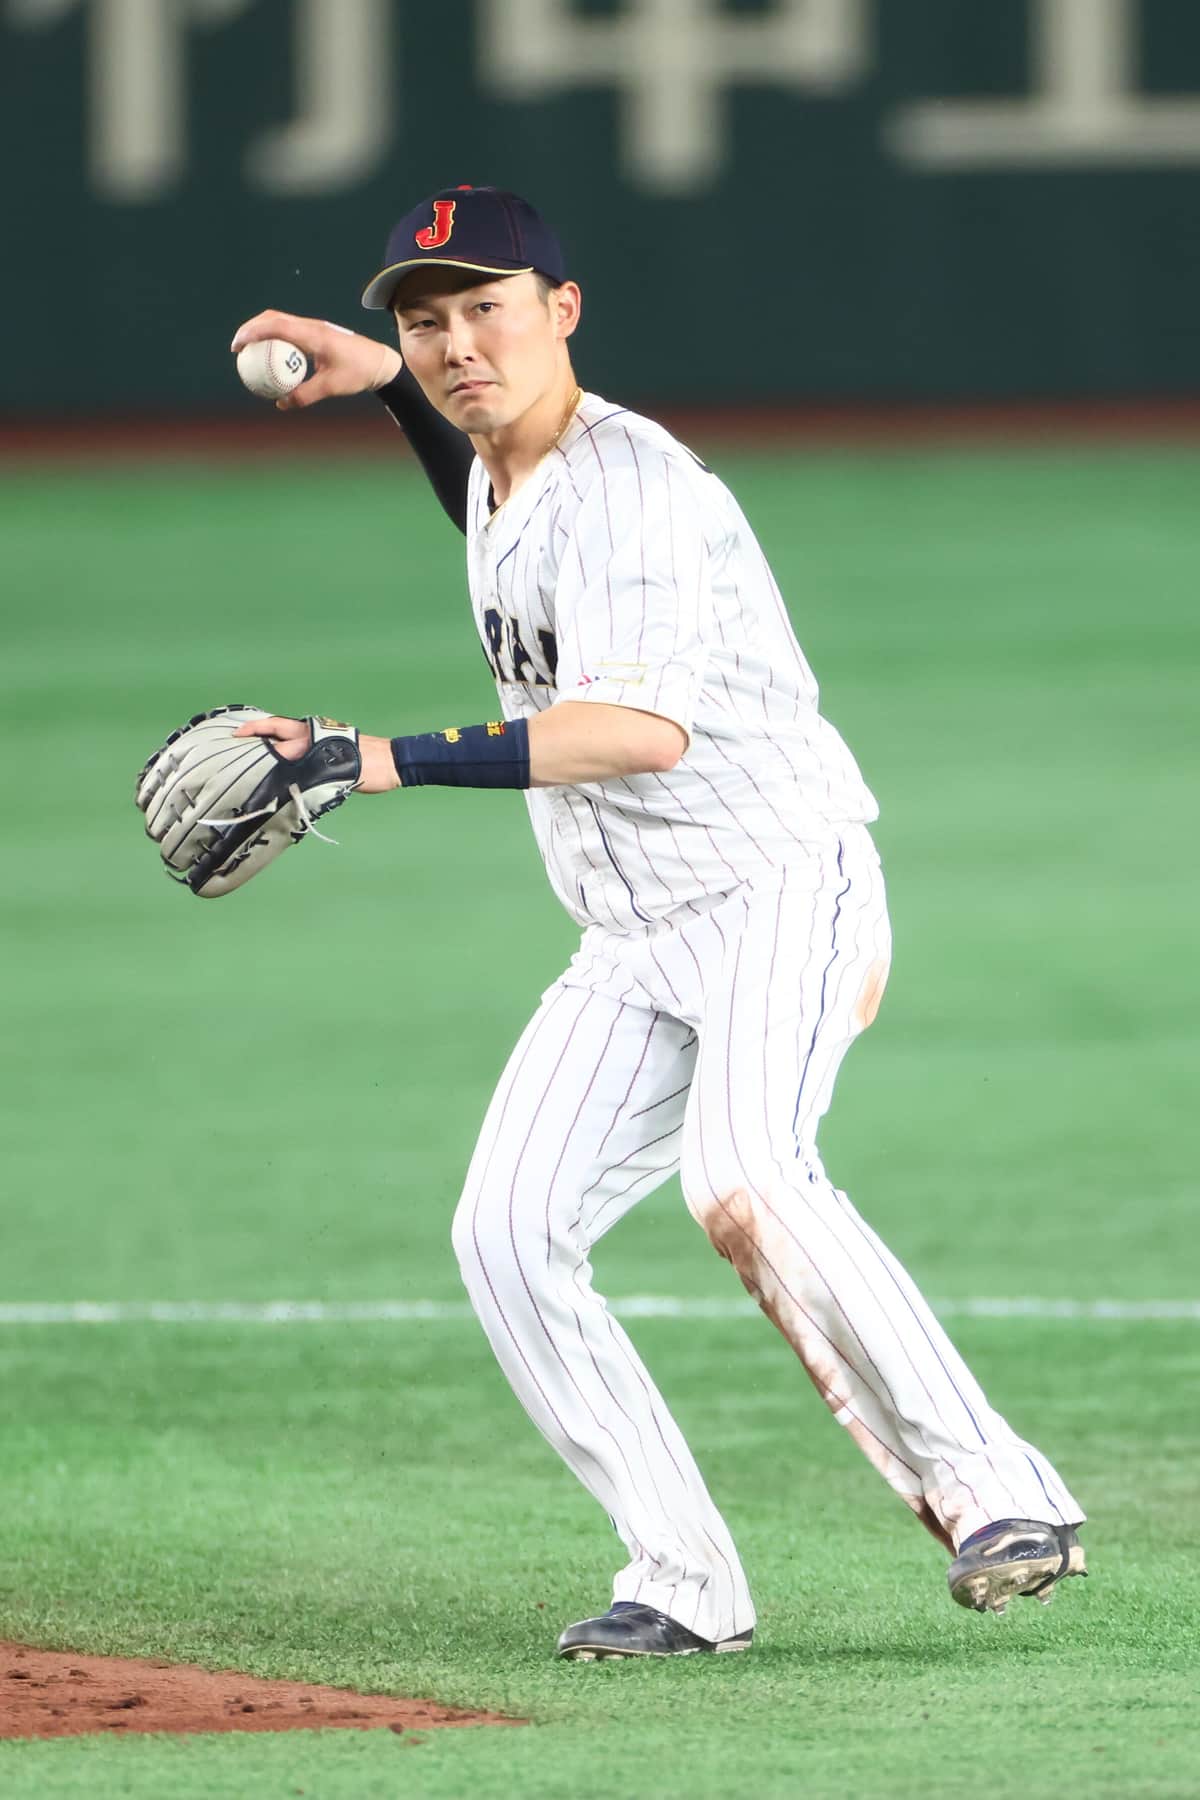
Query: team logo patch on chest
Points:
[508, 655]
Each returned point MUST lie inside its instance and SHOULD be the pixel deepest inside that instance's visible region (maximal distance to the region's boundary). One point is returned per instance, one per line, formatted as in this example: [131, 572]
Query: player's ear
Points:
[566, 305]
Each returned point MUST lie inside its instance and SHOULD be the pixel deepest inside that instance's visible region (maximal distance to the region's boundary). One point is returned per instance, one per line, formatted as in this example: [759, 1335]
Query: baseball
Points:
[272, 367]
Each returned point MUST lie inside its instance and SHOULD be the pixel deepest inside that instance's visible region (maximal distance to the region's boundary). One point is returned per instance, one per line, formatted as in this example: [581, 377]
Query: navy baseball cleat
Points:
[628, 1629]
[1014, 1556]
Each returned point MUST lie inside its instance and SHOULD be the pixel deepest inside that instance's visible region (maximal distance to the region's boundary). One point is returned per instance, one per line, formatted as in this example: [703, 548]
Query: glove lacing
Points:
[261, 812]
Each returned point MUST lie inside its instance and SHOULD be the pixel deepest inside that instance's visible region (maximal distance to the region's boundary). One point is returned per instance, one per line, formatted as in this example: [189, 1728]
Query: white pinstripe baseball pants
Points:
[712, 1048]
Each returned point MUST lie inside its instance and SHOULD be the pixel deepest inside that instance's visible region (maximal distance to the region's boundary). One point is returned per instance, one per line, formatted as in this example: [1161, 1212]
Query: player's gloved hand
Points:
[292, 738]
[343, 361]
[221, 807]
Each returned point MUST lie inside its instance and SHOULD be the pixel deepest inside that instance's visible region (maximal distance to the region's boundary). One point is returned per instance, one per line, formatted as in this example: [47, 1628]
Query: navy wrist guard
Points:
[495, 755]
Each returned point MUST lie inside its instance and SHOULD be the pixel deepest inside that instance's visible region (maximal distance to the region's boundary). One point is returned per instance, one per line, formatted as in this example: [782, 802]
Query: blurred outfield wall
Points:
[870, 200]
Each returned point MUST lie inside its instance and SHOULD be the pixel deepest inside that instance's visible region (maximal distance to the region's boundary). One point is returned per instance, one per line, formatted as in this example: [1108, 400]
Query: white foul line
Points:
[634, 1306]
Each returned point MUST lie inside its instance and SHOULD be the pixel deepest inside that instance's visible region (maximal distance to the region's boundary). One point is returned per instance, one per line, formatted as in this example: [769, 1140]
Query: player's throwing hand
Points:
[343, 361]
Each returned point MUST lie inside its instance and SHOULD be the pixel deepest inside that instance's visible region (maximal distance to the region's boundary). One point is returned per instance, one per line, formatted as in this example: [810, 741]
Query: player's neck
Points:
[511, 454]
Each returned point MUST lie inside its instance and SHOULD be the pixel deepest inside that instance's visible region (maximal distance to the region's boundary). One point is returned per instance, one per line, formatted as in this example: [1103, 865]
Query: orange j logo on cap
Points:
[437, 234]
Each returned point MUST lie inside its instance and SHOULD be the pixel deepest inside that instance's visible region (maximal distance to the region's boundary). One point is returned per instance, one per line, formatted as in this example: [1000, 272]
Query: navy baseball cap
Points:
[480, 228]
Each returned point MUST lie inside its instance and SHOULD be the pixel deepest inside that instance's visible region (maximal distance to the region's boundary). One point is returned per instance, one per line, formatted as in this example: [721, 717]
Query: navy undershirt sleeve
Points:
[442, 450]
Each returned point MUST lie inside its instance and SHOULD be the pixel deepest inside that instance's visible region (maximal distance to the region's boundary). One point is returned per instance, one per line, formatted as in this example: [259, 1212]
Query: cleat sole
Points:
[586, 1654]
[991, 1589]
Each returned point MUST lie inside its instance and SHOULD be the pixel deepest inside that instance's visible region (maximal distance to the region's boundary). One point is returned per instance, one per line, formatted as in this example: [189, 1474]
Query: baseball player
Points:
[708, 831]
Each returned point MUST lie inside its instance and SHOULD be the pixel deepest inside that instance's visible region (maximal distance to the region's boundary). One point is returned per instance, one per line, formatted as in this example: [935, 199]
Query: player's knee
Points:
[702, 1195]
[709, 1183]
[470, 1232]
[730, 1199]
[732, 1225]
[484, 1233]
[503, 1233]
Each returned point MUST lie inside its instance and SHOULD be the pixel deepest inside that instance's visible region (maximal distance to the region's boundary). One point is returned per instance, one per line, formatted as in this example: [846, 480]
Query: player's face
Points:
[484, 353]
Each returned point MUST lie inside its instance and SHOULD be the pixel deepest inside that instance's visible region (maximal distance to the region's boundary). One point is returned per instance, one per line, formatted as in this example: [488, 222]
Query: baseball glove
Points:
[220, 807]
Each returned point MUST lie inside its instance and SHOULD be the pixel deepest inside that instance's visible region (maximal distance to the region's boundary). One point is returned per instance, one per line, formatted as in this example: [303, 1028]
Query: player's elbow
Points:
[663, 743]
[667, 754]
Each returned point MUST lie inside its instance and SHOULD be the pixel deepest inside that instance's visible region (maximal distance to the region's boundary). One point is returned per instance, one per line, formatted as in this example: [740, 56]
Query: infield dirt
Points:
[56, 1693]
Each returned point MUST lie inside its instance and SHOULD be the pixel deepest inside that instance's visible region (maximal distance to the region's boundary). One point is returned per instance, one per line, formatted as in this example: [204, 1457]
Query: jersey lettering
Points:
[549, 650]
[507, 656]
[519, 655]
[493, 639]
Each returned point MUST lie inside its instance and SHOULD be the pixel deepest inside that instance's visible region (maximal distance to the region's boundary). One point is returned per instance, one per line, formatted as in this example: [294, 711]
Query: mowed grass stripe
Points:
[635, 1306]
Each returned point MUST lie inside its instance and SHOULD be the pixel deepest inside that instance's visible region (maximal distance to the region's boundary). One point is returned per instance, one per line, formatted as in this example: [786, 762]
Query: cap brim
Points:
[377, 295]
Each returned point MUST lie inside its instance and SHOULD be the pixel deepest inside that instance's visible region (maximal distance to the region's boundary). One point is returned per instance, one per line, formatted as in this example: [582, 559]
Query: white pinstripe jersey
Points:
[624, 572]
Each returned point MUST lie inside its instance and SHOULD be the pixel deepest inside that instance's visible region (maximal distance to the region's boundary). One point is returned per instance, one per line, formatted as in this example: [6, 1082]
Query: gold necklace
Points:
[574, 401]
[495, 506]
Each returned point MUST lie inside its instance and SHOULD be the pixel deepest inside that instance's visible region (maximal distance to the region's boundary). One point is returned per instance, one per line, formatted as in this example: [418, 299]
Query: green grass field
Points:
[275, 1098]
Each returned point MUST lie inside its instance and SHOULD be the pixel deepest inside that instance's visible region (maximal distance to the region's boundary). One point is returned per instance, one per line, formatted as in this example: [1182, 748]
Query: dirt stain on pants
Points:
[734, 1226]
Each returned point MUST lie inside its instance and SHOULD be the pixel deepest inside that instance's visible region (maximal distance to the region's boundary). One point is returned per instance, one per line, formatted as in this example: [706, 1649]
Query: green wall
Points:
[791, 199]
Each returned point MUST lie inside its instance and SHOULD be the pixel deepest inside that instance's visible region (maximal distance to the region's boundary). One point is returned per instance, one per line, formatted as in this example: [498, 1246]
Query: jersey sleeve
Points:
[443, 451]
[632, 605]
